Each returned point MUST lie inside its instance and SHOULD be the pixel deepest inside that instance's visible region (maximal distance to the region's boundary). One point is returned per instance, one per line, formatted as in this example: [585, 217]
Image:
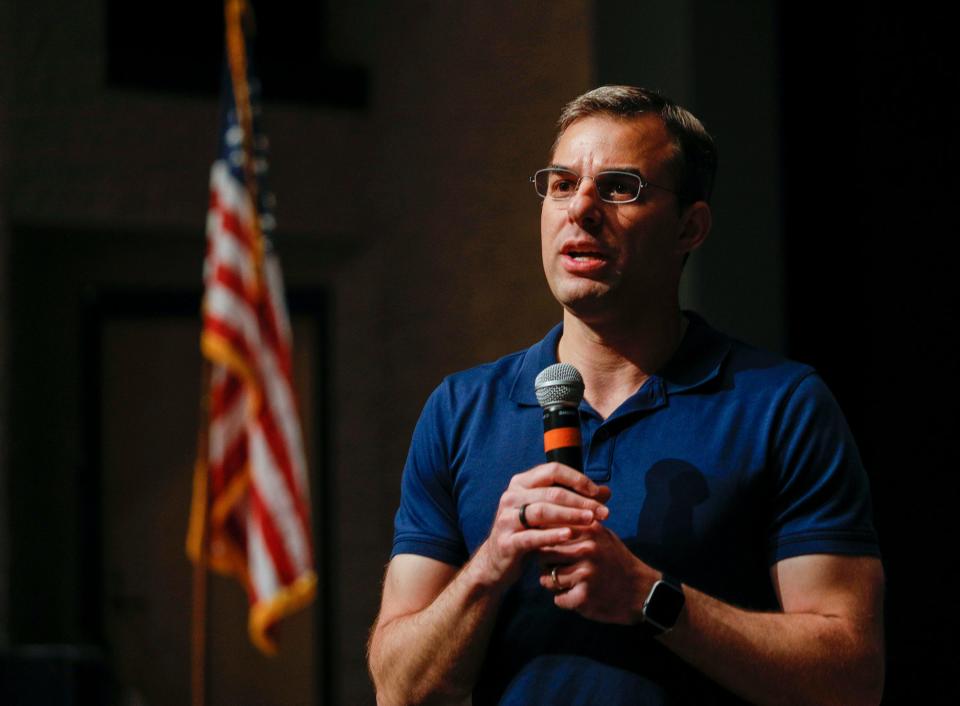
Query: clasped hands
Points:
[556, 513]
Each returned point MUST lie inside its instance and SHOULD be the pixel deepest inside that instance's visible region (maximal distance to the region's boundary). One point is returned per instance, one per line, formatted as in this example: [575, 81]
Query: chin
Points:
[582, 293]
[587, 307]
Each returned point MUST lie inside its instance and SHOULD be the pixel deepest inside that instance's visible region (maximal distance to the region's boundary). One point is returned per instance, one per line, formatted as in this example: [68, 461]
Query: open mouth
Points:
[585, 255]
[585, 262]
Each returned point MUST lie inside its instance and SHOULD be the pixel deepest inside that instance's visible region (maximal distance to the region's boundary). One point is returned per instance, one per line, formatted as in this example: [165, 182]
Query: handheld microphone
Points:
[559, 389]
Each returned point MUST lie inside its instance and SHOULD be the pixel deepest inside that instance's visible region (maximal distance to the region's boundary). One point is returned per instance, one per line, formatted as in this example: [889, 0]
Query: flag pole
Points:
[201, 484]
[234, 13]
[238, 14]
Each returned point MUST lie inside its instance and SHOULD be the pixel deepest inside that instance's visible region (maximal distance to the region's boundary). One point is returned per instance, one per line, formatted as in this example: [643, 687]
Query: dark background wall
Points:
[870, 157]
[400, 153]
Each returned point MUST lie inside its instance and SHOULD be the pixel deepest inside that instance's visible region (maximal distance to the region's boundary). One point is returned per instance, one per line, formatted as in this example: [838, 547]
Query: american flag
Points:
[251, 483]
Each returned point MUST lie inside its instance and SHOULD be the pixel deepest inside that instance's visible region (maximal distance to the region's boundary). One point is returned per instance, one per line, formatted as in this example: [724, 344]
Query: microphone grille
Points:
[559, 383]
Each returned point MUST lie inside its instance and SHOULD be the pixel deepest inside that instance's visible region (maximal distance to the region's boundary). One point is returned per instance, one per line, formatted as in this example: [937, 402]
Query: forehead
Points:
[601, 141]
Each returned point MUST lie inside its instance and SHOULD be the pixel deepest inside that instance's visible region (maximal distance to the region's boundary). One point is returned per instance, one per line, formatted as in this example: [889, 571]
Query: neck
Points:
[615, 360]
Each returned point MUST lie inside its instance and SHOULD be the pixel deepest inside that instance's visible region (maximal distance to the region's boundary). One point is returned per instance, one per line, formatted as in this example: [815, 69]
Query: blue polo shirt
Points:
[726, 462]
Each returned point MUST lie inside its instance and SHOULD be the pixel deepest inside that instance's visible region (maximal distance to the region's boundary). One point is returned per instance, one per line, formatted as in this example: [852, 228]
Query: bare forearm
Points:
[781, 658]
[434, 655]
[825, 647]
[431, 637]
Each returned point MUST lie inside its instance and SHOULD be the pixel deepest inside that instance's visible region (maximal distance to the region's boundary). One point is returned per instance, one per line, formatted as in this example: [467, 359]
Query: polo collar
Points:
[696, 362]
[699, 358]
[536, 358]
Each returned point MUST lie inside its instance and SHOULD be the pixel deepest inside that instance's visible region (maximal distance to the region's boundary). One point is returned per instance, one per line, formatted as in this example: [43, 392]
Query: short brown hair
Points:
[696, 160]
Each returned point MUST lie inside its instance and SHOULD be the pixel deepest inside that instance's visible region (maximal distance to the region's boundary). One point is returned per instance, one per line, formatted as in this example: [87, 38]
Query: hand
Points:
[556, 499]
[598, 576]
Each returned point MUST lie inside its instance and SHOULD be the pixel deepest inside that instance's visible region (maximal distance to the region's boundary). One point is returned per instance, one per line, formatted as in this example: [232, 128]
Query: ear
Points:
[695, 226]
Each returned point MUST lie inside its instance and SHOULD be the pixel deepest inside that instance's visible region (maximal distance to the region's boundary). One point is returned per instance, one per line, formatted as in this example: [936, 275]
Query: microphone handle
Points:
[561, 435]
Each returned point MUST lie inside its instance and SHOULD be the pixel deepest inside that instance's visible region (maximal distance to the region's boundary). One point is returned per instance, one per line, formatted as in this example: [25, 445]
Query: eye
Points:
[562, 183]
[618, 187]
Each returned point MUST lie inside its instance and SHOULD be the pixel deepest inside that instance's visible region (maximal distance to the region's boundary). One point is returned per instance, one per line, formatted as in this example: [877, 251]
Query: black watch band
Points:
[663, 606]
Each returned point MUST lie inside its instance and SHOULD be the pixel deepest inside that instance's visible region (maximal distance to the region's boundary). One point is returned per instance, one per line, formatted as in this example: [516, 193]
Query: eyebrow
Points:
[628, 170]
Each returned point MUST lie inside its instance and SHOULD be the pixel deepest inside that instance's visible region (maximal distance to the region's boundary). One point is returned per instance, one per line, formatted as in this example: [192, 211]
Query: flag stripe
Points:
[227, 403]
[234, 457]
[274, 492]
[232, 281]
[263, 517]
[279, 453]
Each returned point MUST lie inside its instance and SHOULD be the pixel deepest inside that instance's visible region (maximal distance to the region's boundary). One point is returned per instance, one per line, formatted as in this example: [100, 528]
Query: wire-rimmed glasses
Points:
[613, 186]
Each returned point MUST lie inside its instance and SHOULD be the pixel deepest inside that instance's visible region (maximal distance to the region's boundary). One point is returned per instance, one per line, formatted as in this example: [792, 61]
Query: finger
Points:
[572, 598]
[532, 540]
[558, 577]
[568, 552]
[541, 514]
[555, 495]
[551, 579]
[557, 474]
[603, 494]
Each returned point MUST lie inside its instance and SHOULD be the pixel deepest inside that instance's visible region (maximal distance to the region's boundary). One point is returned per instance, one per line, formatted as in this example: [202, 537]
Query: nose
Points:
[584, 207]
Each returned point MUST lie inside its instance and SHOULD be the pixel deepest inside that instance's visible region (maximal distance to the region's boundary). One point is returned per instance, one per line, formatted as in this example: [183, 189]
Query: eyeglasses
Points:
[613, 187]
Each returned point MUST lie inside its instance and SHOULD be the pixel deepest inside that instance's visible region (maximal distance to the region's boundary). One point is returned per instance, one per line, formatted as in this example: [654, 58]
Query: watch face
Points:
[664, 605]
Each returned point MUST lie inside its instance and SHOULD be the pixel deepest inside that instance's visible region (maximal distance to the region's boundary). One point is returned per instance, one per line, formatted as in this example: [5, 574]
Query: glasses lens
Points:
[618, 187]
[555, 183]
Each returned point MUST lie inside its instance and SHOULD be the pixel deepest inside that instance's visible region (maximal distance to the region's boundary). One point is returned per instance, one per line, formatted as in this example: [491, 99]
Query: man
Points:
[718, 546]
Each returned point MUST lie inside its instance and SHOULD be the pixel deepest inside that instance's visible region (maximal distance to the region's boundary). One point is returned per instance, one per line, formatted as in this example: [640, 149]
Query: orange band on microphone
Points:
[561, 437]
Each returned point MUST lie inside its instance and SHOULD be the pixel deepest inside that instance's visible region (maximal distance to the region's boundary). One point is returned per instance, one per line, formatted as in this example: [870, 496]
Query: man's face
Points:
[601, 259]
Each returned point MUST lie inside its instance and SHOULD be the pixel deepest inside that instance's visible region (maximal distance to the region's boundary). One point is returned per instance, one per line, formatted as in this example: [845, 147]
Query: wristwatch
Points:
[663, 605]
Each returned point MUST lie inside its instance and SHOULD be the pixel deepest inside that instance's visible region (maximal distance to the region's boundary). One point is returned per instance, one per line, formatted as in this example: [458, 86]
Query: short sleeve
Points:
[426, 522]
[822, 495]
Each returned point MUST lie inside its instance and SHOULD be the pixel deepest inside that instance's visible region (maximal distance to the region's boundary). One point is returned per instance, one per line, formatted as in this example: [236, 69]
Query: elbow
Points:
[386, 694]
[859, 684]
[873, 674]
[847, 675]
[375, 668]
[859, 668]
[378, 666]
[391, 694]
[387, 697]
[867, 675]
[395, 686]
